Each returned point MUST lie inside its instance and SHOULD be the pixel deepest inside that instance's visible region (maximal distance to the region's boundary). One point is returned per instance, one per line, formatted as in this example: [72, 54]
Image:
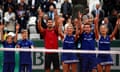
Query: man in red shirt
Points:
[50, 35]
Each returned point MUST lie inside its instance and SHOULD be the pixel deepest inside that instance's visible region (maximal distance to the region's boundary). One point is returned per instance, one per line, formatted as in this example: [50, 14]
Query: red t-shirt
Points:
[51, 39]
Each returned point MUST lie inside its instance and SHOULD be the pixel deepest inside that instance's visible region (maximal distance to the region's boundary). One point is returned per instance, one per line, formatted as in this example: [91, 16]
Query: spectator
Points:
[33, 6]
[117, 5]
[1, 14]
[66, 9]
[22, 17]
[44, 21]
[51, 13]
[113, 19]
[56, 0]
[92, 4]
[9, 18]
[1, 2]
[68, 22]
[48, 4]
[53, 0]
[98, 11]
[7, 4]
[41, 2]
[88, 18]
[108, 24]
[107, 7]
[22, 3]
[44, 6]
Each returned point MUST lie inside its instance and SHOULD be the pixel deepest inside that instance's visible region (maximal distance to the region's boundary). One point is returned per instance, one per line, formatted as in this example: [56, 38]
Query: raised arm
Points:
[16, 33]
[80, 22]
[96, 28]
[115, 30]
[1, 31]
[41, 29]
[77, 30]
[57, 19]
[60, 28]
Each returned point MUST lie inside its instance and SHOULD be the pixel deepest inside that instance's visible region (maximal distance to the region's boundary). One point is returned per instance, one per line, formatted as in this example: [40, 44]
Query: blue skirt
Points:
[69, 58]
[105, 59]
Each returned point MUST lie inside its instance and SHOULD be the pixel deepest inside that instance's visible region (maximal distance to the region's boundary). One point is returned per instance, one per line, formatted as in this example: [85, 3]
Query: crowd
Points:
[26, 13]
[81, 32]
[13, 12]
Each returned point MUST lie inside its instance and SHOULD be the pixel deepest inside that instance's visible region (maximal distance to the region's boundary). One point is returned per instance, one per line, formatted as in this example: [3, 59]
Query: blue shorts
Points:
[69, 58]
[104, 59]
[25, 68]
[88, 63]
[8, 67]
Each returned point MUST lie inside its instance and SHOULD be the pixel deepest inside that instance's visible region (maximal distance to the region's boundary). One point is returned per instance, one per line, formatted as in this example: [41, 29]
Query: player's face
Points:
[9, 39]
[103, 30]
[25, 35]
[69, 30]
[50, 23]
[87, 28]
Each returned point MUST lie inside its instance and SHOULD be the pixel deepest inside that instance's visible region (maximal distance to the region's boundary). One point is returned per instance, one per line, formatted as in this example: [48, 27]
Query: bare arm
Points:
[77, 31]
[41, 29]
[16, 34]
[1, 31]
[58, 24]
[115, 30]
[57, 19]
[80, 26]
[60, 31]
[96, 28]
[80, 22]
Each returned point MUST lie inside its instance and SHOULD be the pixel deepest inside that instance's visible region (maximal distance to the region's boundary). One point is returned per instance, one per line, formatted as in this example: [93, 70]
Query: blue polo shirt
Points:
[88, 41]
[104, 43]
[9, 56]
[25, 57]
[69, 42]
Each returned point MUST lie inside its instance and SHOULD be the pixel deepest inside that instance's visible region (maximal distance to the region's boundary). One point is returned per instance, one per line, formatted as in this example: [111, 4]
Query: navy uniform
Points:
[88, 61]
[69, 44]
[9, 57]
[25, 57]
[104, 44]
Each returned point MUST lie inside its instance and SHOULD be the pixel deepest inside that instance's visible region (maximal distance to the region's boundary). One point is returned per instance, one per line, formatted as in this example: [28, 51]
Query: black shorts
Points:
[52, 58]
